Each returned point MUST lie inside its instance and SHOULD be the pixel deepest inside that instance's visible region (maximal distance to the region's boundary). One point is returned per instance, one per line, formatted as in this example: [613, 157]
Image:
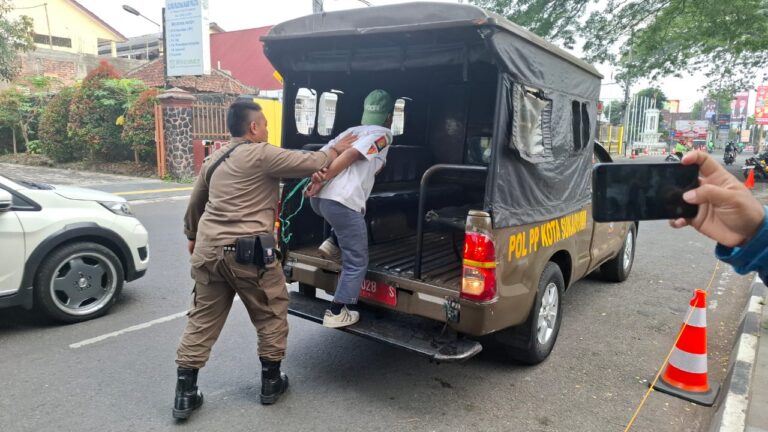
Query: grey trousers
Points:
[351, 235]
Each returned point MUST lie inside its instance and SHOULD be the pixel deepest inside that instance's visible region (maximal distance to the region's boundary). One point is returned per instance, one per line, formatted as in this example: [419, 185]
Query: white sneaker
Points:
[345, 318]
[329, 250]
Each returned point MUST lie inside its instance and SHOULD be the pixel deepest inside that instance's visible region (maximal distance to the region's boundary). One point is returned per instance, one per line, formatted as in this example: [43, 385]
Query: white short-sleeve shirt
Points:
[353, 186]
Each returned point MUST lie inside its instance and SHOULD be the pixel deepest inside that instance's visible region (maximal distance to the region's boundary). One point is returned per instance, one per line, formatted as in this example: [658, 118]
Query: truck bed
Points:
[441, 264]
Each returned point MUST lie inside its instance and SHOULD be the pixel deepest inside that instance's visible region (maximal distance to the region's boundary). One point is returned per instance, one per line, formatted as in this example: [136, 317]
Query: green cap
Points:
[377, 107]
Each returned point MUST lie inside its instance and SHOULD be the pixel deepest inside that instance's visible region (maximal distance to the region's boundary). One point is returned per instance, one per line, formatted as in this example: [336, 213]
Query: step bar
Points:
[419, 335]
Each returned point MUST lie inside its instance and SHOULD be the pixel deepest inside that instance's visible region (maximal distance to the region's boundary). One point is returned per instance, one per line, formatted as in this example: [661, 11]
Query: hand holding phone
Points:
[634, 192]
[728, 213]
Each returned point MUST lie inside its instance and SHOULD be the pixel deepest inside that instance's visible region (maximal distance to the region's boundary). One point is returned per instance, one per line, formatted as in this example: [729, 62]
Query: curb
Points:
[732, 413]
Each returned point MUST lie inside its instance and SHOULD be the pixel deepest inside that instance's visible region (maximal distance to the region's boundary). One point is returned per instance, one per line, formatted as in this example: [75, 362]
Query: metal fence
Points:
[209, 120]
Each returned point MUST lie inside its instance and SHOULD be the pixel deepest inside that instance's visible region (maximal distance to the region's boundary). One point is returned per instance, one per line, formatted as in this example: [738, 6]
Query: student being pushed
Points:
[339, 193]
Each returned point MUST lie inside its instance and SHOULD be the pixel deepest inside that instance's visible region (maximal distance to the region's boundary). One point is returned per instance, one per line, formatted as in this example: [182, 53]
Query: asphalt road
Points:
[613, 339]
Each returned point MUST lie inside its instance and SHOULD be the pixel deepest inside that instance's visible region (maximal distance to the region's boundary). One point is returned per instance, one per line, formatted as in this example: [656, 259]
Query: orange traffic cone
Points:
[750, 182]
[686, 373]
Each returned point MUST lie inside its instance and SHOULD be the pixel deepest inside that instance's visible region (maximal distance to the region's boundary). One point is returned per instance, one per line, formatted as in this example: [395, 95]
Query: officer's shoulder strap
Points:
[218, 162]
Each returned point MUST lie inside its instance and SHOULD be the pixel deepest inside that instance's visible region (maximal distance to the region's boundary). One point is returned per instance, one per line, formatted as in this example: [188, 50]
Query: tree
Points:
[139, 128]
[10, 104]
[54, 139]
[653, 93]
[725, 40]
[97, 112]
[616, 110]
[553, 20]
[697, 112]
[15, 37]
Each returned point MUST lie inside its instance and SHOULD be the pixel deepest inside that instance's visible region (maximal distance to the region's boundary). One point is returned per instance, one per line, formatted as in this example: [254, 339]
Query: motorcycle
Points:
[729, 157]
[758, 164]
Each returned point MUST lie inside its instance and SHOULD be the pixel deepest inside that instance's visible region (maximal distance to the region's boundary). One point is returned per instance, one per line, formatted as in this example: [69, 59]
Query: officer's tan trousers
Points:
[262, 291]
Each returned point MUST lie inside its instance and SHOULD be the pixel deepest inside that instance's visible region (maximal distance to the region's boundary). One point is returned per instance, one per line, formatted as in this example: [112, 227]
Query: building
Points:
[242, 54]
[217, 82]
[66, 26]
[145, 47]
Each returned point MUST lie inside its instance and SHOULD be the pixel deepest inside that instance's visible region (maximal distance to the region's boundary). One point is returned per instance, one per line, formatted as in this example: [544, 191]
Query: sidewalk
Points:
[131, 188]
[742, 405]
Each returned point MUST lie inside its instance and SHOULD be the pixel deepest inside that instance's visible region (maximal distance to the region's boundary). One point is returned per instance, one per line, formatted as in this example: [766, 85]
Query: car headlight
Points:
[118, 208]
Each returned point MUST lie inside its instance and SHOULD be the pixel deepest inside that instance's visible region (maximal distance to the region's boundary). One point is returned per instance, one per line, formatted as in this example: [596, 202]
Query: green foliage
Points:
[616, 112]
[697, 112]
[97, 112]
[725, 40]
[15, 37]
[54, 139]
[139, 128]
[553, 20]
[34, 147]
[654, 93]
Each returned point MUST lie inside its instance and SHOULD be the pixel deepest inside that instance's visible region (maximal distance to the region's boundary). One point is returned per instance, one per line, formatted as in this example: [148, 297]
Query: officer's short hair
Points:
[238, 117]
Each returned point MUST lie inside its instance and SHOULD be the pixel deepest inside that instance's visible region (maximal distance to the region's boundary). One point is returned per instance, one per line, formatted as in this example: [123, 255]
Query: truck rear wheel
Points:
[532, 341]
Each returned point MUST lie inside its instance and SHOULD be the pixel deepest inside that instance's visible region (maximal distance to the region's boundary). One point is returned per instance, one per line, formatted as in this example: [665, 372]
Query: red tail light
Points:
[479, 276]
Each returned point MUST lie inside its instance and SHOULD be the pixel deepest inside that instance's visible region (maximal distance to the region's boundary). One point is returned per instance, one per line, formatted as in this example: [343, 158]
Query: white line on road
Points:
[127, 330]
[134, 328]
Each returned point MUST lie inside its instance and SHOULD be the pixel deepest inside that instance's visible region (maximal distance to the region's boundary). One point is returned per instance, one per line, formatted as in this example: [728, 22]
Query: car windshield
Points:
[30, 184]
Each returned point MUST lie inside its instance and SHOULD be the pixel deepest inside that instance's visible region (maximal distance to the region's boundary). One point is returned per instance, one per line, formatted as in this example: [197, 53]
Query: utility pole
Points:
[627, 85]
[317, 6]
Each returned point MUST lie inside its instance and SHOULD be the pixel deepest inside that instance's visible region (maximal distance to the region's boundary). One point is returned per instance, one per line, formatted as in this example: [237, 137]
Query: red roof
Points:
[241, 53]
[217, 82]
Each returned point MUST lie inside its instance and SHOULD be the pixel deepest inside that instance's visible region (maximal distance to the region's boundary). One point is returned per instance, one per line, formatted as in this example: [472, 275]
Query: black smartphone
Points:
[633, 192]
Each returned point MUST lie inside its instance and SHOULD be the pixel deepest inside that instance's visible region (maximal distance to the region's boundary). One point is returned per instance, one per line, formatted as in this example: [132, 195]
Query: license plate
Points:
[379, 292]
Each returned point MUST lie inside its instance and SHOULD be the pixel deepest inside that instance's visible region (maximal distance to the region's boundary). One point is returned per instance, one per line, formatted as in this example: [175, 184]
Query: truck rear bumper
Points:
[419, 335]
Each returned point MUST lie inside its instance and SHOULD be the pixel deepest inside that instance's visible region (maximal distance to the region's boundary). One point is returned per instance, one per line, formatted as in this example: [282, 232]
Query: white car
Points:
[67, 251]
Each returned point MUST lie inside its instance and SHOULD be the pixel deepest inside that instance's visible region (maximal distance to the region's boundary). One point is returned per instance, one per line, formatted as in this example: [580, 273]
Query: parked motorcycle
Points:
[757, 163]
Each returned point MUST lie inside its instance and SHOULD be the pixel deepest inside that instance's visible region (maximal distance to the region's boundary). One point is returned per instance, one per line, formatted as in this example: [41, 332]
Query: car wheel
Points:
[532, 342]
[617, 269]
[78, 282]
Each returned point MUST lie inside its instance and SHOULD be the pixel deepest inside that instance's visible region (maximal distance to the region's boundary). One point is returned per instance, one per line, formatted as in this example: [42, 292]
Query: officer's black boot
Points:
[273, 382]
[188, 397]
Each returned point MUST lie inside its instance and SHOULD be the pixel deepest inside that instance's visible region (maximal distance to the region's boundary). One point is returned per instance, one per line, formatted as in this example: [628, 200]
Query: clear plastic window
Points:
[398, 118]
[326, 115]
[305, 110]
[531, 124]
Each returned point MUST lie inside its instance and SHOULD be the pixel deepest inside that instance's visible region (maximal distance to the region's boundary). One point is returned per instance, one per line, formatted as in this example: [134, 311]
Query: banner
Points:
[691, 129]
[673, 106]
[739, 107]
[724, 121]
[761, 105]
[710, 110]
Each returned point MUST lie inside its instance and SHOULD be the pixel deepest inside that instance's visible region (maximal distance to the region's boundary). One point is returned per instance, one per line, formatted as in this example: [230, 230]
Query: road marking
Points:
[130, 329]
[157, 200]
[146, 191]
[127, 330]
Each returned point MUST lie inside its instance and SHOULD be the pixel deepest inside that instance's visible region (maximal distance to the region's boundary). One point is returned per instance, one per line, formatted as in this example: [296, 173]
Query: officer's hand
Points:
[319, 176]
[312, 189]
[191, 246]
[345, 142]
[728, 213]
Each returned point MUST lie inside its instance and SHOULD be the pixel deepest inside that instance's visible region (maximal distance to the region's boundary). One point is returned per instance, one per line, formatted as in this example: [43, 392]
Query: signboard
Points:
[739, 107]
[710, 109]
[672, 106]
[761, 105]
[745, 136]
[187, 41]
[693, 129]
[724, 121]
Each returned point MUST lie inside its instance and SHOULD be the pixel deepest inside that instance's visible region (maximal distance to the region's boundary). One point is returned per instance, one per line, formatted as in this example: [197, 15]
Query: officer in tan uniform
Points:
[229, 224]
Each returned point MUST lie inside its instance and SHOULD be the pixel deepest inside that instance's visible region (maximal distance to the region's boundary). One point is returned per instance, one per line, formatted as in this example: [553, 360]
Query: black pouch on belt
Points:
[246, 250]
[265, 251]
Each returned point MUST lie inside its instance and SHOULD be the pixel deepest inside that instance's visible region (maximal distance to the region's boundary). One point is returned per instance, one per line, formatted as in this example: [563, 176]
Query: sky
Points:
[241, 14]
